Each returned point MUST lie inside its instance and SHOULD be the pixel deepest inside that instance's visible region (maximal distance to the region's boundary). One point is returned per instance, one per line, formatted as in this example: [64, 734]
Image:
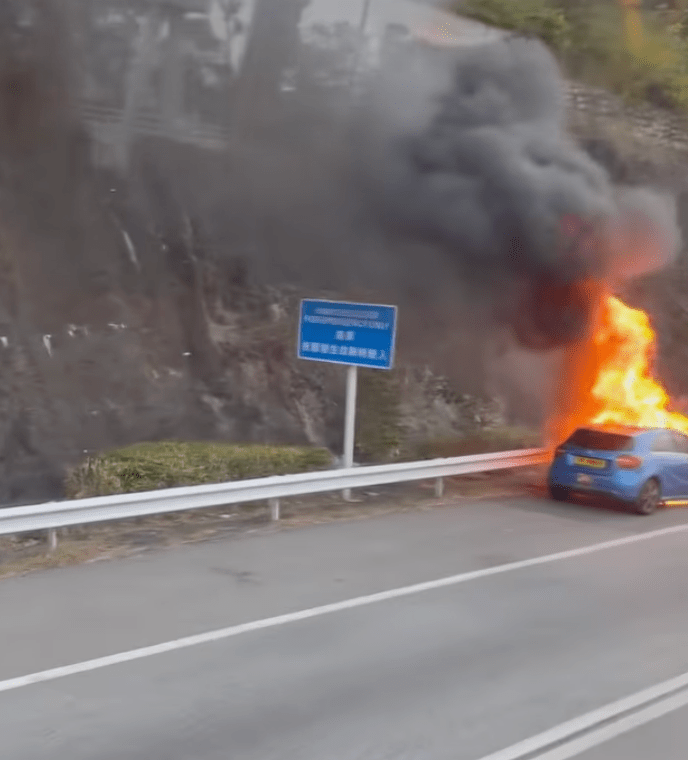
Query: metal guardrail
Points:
[63, 514]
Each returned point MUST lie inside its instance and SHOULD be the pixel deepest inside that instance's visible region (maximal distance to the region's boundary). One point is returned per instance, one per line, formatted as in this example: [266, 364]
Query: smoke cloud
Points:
[452, 187]
[467, 150]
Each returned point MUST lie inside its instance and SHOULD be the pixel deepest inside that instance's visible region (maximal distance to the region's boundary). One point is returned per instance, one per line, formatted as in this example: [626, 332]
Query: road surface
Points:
[561, 626]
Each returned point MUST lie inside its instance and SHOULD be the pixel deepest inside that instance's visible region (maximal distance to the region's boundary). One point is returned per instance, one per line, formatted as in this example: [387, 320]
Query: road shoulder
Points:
[24, 554]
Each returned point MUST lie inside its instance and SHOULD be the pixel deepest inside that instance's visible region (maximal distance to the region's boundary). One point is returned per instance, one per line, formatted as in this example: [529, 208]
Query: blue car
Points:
[642, 467]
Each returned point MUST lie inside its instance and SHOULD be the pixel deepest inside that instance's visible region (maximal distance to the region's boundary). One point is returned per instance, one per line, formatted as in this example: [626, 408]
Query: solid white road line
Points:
[619, 727]
[326, 609]
[599, 726]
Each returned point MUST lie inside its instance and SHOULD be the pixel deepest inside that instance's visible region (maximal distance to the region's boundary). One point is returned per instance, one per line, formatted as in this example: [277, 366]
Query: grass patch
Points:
[150, 466]
[483, 442]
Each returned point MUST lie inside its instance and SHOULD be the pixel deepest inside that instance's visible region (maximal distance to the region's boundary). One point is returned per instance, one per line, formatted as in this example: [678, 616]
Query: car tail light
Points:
[627, 462]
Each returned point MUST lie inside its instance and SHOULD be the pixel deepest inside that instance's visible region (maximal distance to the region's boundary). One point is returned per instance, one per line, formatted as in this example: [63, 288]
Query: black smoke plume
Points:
[467, 150]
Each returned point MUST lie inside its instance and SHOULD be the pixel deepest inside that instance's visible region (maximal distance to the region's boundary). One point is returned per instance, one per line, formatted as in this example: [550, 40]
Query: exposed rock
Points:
[432, 409]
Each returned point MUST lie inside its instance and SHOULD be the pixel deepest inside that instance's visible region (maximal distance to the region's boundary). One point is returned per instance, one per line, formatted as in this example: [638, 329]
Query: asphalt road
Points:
[460, 669]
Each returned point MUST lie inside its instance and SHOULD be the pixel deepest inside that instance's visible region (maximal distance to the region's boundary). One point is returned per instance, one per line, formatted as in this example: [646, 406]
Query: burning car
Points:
[642, 467]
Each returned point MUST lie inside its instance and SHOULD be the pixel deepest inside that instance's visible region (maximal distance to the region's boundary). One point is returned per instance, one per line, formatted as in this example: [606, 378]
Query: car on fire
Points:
[642, 467]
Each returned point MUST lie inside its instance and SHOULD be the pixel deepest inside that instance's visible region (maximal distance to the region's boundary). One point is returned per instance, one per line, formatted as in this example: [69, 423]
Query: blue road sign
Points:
[347, 333]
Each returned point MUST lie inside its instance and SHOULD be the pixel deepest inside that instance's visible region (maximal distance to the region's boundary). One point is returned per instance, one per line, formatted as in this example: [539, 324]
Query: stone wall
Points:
[592, 108]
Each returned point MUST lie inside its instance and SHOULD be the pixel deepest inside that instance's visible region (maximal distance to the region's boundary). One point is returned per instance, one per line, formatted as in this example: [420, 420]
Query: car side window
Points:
[681, 442]
[664, 442]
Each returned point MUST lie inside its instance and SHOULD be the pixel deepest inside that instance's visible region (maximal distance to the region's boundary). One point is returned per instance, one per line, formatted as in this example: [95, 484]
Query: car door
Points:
[681, 466]
[668, 461]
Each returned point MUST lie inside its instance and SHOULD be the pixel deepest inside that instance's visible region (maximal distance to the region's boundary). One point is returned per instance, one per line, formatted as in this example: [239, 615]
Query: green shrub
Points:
[537, 17]
[377, 415]
[589, 40]
[149, 466]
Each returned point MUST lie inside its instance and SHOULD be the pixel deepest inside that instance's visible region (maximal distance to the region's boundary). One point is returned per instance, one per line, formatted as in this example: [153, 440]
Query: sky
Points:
[447, 28]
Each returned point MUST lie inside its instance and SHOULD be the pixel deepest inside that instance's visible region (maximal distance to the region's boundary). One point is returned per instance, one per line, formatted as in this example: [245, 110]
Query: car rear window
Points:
[600, 440]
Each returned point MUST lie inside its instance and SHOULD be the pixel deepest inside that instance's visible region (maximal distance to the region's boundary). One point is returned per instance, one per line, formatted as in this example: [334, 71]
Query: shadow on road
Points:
[590, 510]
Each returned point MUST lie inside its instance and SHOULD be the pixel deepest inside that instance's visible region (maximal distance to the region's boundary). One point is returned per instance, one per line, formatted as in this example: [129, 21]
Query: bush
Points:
[590, 41]
[537, 17]
[149, 466]
[378, 416]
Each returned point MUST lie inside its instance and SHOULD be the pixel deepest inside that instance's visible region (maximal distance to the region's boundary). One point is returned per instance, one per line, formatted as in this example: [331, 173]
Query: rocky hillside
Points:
[157, 335]
[139, 308]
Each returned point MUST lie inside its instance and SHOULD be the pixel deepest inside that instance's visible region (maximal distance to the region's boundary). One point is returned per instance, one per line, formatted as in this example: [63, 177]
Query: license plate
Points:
[584, 480]
[597, 464]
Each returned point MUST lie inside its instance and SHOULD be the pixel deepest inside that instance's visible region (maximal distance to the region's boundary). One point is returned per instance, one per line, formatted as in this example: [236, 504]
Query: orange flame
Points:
[606, 378]
[625, 388]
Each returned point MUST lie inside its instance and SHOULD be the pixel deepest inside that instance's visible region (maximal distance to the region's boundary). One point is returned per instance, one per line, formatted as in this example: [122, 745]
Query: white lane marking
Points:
[615, 718]
[325, 609]
[622, 726]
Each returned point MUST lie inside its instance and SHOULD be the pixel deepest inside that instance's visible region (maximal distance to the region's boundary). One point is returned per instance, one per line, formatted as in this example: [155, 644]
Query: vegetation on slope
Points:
[480, 442]
[589, 39]
[378, 433]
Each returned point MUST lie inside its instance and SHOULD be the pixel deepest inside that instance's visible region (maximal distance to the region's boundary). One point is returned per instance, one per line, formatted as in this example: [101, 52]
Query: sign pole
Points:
[350, 421]
[352, 334]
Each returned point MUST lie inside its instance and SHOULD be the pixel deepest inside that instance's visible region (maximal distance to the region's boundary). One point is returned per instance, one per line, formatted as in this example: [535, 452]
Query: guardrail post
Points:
[439, 488]
[52, 540]
[274, 509]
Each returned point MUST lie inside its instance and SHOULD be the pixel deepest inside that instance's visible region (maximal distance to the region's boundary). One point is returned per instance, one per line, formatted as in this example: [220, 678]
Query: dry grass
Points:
[20, 557]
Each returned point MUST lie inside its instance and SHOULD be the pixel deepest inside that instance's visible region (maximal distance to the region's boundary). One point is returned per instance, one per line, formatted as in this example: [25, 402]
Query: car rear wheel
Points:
[649, 498]
[559, 493]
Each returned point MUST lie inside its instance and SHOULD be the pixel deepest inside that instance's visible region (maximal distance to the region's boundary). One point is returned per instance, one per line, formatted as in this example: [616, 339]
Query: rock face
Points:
[432, 409]
[653, 130]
